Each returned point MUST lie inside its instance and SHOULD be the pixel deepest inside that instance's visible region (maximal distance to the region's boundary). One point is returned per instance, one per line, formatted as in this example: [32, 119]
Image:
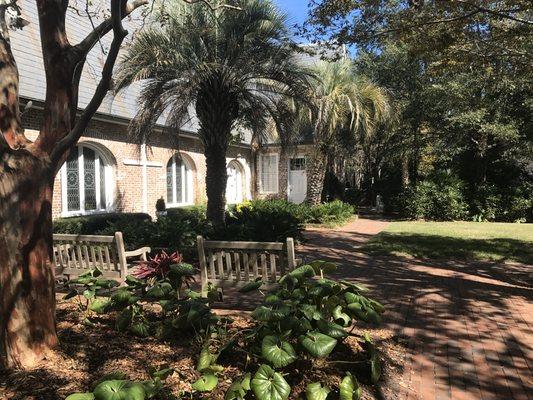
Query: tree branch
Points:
[212, 7]
[119, 33]
[103, 28]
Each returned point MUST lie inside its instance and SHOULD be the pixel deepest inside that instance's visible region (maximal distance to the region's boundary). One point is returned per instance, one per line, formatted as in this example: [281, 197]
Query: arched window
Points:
[179, 182]
[86, 182]
[234, 186]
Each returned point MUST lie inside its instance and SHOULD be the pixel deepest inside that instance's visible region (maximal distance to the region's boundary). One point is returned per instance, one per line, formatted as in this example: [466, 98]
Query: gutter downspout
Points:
[144, 179]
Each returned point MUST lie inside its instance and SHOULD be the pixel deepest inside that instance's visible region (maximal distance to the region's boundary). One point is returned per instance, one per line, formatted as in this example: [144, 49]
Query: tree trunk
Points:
[215, 181]
[27, 292]
[405, 172]
[316, 172]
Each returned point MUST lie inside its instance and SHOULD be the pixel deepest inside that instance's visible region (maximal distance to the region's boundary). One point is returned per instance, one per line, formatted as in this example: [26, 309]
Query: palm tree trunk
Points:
[316, 172]
[216, 180]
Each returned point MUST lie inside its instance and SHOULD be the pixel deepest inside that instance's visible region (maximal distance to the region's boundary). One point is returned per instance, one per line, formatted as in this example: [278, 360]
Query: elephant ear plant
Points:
[156, 300]
[116, 386]
[303, 319]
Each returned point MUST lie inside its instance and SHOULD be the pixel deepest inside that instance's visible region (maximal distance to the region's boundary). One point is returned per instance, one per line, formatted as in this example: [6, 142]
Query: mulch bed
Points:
[89, 352]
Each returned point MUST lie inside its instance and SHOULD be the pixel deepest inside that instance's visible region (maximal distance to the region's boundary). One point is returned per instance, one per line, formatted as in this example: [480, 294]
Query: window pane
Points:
[103, 203]
[179, 179]
[269, 173]
[89, 173]
[73, 182]
[170, 193]
[186, 181]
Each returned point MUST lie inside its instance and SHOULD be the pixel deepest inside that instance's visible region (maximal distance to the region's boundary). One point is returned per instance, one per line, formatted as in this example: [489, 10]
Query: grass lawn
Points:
[480, 241]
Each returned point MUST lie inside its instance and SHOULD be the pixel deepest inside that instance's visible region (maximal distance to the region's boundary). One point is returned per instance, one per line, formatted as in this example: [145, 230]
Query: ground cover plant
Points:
[481, 241]
[306, 323]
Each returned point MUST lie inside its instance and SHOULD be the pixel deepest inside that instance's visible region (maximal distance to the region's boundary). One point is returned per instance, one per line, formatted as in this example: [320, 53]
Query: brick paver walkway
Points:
[467, 327]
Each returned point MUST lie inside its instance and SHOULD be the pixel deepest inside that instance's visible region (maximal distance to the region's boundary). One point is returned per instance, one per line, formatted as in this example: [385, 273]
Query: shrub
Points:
[91, 224]
[264, 221]
[439, 199]
[335, 212]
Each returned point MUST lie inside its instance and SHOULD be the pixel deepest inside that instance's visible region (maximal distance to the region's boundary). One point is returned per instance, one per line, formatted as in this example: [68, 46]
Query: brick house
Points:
[111, 173]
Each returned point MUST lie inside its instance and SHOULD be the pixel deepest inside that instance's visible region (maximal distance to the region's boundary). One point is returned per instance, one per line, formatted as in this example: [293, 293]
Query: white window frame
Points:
[109, 178]
[275, 173]
[186, 171]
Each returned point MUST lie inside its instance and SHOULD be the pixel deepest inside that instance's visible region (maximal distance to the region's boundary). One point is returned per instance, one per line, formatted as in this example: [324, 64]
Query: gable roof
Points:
[26, 46]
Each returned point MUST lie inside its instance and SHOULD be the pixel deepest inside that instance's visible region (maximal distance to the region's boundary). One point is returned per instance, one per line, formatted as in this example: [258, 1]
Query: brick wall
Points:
[111, 138]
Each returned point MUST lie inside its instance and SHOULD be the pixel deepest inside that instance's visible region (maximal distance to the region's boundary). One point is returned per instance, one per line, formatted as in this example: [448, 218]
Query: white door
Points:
[297, 180]
[234, 185]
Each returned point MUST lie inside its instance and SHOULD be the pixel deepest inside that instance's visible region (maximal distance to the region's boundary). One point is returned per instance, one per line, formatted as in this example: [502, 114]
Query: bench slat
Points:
[220, 245]
[83, 238]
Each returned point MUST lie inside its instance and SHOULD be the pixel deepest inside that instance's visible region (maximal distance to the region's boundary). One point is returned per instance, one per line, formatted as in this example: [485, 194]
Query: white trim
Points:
[187, 187]
[139, 163]
[276, 172]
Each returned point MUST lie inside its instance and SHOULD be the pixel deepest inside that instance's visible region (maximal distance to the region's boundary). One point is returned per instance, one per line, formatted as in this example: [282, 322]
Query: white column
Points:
[144, 166]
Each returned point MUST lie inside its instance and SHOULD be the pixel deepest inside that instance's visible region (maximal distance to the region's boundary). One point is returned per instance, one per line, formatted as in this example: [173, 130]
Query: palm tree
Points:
[232, 64]
[348, 110]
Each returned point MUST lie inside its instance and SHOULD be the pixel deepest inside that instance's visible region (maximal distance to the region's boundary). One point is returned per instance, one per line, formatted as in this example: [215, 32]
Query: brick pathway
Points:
[467, 327]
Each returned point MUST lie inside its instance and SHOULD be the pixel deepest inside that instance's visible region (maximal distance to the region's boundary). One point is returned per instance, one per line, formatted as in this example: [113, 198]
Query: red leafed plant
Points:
[157, 267]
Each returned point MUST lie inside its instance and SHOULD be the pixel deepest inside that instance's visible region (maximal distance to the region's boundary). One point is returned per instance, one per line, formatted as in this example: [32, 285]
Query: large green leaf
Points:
[181, 270]
[251, 286]
[311, 312]
[331, 329]
[340, 317]
[317, 344]
[270, 385]
[119, 390]
[206, 362]
[315, 391]
[159, 291]
[121, 298]
[81, 396]
[278, 352]
[238, 389]
[124, 319]
[349, 388]
[323, 267]
[106, 283]
[267, 314]
[206, 383]
[100, 306]
[71, 294]
[305, 271]
[140, 329]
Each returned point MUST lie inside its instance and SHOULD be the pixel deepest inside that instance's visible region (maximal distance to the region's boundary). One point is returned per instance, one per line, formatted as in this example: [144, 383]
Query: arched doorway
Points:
[234, 186]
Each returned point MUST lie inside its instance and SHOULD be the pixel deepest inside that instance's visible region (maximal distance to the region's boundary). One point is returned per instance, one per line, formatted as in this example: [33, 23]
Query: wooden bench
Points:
[75, 254]
[225, 263]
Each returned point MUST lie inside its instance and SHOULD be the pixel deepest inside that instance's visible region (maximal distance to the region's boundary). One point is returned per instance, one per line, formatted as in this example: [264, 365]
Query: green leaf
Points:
[100, 306]
[206, 383]
[181, 270]
[89, 294]
[340, 317]
[206, 360]
[349, 388]
[113, 376]
[317, 344]
[278, 352]
[119, 390]
[311, 312]
[133, 281]
[251, 286]
[159, 291]
[81, 396]
[162, 373]
[272, 299]
[140, 329]
[267, 314]
[305, 271]
[324, 266]
[356, 287]
[331, 329]
[270, 385]
[238, 389]
[315, 391]
[121, 298]
[107, 283]
[124, 320]
[71, 294]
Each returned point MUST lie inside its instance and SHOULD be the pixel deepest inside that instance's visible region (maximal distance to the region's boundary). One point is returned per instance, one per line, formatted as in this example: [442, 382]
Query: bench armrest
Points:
[142, 252]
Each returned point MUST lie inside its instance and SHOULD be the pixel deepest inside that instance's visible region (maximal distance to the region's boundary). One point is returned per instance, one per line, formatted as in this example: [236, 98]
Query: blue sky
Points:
[297, 9]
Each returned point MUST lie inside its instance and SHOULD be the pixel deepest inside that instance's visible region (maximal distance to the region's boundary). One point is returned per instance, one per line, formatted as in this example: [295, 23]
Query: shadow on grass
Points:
[445, 247]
